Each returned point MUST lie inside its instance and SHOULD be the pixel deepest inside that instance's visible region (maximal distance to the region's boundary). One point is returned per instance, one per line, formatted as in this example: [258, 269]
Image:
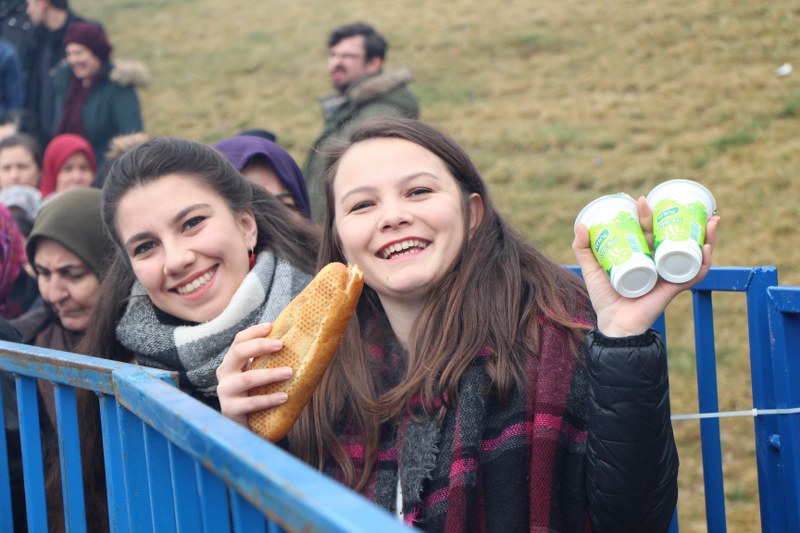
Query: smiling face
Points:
[75, 172]
[187, 248]
[18, 167]
[399, 215]
[66, 284]
[83, 62]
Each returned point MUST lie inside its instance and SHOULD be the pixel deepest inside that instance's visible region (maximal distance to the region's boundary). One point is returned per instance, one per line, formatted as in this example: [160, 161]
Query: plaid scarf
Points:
[196, 350]
[488, 467]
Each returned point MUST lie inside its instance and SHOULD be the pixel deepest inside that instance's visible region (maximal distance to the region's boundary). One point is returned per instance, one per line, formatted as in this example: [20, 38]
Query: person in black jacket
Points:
[481, 386]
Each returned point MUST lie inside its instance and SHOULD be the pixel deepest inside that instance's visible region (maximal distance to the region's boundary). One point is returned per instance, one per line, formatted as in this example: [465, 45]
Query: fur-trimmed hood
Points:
[380, 84]
[128, 72]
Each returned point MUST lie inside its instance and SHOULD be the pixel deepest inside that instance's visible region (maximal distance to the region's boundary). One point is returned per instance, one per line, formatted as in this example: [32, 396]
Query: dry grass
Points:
[559, 102]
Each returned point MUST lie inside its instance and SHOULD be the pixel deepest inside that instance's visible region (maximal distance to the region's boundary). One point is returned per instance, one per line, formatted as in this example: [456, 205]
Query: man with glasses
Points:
[363, 90]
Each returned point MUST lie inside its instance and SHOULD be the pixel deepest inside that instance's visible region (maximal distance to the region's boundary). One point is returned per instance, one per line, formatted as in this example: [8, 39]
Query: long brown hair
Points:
[496, 295]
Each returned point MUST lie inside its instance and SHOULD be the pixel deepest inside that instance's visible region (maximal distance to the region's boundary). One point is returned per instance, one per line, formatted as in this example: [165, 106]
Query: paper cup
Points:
[618, 243]
[681, 209]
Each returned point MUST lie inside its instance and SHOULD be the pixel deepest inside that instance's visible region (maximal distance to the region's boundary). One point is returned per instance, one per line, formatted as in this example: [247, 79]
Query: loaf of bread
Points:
[311, 327]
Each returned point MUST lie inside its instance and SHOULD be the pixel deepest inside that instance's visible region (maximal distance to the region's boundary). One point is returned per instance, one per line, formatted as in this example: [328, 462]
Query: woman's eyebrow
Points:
[175, 220]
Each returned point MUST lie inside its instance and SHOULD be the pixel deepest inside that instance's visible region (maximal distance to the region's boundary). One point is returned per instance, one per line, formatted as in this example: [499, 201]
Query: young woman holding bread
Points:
[200, 254]
[480, 386]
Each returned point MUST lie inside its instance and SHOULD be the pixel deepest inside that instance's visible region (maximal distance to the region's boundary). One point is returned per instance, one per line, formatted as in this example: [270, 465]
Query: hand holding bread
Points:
[310, 328]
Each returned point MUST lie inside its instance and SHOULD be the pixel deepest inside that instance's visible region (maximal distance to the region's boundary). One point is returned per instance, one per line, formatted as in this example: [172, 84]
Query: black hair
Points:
[25, 140]
[374, 43]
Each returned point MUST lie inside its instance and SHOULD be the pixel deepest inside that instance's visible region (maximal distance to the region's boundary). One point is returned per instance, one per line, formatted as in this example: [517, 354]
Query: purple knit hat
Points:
[91, 36]
[240, 150]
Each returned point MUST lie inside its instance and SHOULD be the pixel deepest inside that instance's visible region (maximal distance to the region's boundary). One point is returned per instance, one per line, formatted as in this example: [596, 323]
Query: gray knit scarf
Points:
[195, 351]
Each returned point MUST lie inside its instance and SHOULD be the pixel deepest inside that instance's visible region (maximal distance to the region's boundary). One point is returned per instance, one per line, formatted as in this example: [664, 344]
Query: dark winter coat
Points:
[382, 95]
[111, 107]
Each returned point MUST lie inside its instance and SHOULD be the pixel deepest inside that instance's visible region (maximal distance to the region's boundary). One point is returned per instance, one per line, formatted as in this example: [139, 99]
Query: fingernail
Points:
[282, 397]
[286, 372]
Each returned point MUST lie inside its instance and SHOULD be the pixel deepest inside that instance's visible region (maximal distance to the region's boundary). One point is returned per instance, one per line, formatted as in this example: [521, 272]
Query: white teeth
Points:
[402, 246]
[196, 284]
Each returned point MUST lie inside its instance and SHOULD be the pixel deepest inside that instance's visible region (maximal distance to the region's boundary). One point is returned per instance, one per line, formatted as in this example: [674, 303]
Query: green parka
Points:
[383, 95]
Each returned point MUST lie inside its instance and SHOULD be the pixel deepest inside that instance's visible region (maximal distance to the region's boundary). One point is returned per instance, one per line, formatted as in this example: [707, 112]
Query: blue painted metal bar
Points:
[274, 527]
[67, 368]
[732, 279]
[785, 329]
[69, 449]
[184, 484]
[768, 461]
[277, 483]
[6, 513]
[140, 514]
[159, 480]
[32, 464]
[246, 518]
[708, 400]
[114, 460]
[213, 489]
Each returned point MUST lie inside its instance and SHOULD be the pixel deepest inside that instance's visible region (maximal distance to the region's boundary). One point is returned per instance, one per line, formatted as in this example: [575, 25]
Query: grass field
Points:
[558, 102]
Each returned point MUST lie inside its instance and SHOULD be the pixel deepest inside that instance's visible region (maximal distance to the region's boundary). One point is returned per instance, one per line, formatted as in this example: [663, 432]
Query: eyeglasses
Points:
[345, 56]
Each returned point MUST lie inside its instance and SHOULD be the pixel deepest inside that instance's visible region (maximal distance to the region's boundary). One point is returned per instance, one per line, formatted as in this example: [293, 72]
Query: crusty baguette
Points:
[311, 327]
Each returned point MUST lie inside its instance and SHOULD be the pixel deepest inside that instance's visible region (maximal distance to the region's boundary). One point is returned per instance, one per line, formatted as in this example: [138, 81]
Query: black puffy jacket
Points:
[632, 460]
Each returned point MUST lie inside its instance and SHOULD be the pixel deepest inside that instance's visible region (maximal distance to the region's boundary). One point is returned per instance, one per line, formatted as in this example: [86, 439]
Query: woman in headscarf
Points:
[69, 162]
[18, 290]
[68, 251]
[267, 164]
[96, 98]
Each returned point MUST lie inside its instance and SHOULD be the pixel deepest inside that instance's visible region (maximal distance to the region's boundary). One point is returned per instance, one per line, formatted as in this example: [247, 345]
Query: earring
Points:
[252, 258]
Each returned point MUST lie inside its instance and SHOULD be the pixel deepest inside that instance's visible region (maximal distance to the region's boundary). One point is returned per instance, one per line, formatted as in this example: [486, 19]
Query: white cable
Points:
[751, 412]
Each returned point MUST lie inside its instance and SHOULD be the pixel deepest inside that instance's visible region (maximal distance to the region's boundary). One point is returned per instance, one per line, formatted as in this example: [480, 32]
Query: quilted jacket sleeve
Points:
[632, 461]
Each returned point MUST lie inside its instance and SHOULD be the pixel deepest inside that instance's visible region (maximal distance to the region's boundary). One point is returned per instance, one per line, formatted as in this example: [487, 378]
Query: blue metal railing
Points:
[171, 462]
[174, 464]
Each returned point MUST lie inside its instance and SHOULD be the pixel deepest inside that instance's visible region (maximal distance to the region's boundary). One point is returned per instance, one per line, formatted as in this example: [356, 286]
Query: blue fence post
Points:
[137, 487]
[211, 489]
[784, 319]
[765, 427]
[69, 449]
[114, 460]
[32, 464]
[184, 485]
[159, 480]
[6, 512]
[708, 400]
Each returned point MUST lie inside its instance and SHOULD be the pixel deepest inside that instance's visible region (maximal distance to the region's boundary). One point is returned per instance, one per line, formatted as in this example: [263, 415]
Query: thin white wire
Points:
[750, 412]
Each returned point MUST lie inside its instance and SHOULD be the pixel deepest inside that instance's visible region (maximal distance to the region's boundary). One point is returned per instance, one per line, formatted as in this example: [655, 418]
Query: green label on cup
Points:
[679, 222]
[616, 241]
